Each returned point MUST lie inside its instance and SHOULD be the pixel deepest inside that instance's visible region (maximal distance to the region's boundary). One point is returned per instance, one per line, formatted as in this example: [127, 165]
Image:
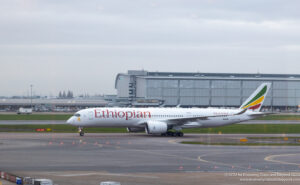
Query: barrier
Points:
[8, 177]
[19, 181]
[13, 178]
[2, 175]
[25, 181]
[40, 130]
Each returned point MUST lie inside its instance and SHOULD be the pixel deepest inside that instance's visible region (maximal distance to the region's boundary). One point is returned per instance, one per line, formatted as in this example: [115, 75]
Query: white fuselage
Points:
[136, 117]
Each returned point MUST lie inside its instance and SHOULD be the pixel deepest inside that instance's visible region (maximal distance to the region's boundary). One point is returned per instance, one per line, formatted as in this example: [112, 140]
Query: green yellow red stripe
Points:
[257, 97]
[258, 101]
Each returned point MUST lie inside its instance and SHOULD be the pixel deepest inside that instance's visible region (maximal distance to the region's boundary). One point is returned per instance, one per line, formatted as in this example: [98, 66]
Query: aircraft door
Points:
[91, 115]
[189, 114]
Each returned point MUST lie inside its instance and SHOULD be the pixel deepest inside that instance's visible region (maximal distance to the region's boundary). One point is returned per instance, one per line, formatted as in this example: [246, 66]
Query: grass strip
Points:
[35, 117]
[230, 129]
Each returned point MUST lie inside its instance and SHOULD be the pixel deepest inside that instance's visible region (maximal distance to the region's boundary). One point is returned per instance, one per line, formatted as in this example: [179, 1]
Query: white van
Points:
[110, 183]
[43, 182]
[24, 110]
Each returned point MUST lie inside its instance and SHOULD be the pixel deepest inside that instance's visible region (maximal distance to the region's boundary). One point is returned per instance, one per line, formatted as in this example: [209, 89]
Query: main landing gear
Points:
[173, 134]
[81, 132]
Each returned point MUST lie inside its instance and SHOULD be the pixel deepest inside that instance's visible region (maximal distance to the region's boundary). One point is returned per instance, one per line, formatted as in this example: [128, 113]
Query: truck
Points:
[24, 110]
[32, 181]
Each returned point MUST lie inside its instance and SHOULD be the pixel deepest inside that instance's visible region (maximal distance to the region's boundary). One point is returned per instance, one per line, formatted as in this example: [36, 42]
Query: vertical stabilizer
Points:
[256, 100]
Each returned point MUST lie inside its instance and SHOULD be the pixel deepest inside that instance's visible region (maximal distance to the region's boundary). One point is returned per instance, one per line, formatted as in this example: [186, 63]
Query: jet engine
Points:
[135, 129]
[156, 127]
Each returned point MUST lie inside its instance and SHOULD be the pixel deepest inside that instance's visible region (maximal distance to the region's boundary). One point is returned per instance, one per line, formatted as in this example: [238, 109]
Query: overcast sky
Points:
[82, 45]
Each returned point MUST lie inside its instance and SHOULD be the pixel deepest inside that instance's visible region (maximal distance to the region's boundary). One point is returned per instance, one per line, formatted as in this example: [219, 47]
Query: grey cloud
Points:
[47, 42]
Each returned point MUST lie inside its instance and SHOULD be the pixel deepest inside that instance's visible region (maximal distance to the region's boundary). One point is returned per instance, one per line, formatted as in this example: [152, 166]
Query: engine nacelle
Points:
[135, 129]
[156, 127]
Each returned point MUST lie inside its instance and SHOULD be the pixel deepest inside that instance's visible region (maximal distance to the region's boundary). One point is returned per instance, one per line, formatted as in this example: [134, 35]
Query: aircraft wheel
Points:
[170, 133]
[178, 134]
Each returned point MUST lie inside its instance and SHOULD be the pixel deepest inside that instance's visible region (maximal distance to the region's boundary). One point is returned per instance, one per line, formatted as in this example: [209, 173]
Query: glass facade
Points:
[216, 92]
[208, 89]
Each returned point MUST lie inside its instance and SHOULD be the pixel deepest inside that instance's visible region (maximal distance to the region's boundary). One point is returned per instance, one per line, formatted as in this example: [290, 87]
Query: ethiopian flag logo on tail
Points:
[255, 101]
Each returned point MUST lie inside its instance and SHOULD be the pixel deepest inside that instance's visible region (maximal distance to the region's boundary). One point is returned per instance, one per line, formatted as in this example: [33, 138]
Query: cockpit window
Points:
[77, 115]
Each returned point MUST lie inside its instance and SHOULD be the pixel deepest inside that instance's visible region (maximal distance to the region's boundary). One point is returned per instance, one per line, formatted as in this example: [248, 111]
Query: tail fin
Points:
[256, 100]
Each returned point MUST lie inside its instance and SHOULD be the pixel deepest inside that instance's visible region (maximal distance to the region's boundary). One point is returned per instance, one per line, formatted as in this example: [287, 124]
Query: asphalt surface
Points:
[55, 122]
[139, 158]
[5, 182]
[32, 122]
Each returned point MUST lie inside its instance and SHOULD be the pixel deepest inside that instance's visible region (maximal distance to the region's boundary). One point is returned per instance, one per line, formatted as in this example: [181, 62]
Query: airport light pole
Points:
[31, 86]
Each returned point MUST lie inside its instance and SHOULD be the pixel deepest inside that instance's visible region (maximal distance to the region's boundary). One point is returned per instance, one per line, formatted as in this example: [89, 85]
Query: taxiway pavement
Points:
[138, 158]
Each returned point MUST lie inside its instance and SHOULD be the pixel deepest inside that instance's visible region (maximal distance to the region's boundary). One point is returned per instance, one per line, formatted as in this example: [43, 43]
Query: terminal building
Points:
[143, 88]
[52, 105]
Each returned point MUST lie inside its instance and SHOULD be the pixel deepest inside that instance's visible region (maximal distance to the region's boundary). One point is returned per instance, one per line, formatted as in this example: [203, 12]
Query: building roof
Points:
[240, 75]
[199, 75]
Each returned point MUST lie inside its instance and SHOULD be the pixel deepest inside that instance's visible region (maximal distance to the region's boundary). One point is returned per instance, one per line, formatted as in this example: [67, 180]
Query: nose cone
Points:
[70, 120]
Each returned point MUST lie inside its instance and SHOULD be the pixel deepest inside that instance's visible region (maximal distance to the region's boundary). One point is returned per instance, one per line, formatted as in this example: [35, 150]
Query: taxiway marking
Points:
[105, 174]
[271, 158]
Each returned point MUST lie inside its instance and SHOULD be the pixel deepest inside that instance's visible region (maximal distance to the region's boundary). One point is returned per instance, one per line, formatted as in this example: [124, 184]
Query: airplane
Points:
[170, 121]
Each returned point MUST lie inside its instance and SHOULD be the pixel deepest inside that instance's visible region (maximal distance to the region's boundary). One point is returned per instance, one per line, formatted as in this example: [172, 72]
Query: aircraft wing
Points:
[182, 121]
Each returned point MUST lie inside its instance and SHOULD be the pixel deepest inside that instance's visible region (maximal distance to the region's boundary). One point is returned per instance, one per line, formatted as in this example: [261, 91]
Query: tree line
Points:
[65, 95]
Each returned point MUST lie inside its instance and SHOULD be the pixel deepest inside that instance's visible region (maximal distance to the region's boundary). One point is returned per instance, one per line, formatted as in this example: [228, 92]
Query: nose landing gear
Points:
[81, 132]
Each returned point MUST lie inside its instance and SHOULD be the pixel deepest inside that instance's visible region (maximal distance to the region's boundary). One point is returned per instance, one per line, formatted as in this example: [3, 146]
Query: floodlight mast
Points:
[31, 86]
